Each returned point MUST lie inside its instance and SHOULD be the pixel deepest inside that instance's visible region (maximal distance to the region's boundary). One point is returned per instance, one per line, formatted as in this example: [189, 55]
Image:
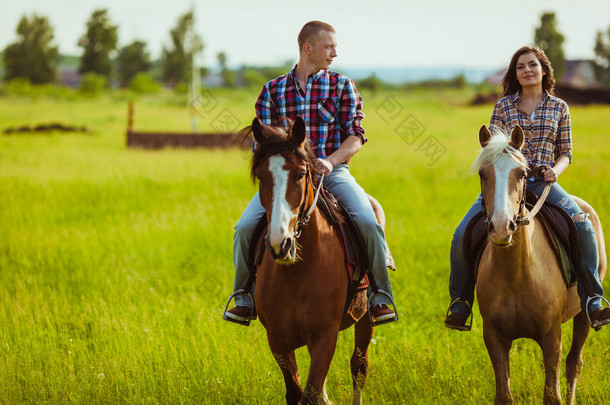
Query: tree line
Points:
[35, 57]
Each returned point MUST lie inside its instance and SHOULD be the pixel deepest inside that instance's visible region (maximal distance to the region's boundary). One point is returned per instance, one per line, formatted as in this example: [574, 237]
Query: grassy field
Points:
[115, 264]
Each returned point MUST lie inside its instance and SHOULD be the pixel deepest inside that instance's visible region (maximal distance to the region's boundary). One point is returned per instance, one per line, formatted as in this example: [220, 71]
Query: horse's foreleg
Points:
[574, 360]
[288, 364]
[321, 352]
[498, 347]
[359, 362]
[551, 353]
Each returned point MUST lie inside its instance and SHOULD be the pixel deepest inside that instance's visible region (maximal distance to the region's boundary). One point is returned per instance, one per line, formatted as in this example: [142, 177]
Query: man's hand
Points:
[550, 175]
[323, 166]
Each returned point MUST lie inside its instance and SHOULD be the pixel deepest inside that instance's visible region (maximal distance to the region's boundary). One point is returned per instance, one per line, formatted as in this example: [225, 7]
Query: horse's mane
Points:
[277, 140]
[497, 147]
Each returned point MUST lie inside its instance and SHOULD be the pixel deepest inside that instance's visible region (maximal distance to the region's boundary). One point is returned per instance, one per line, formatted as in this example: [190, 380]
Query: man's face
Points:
[323, 50]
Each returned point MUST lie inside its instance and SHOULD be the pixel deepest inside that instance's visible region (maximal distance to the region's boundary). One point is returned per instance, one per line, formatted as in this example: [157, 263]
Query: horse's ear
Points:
[484, 136]
[516, 137]
[298, 130]
[257, 130]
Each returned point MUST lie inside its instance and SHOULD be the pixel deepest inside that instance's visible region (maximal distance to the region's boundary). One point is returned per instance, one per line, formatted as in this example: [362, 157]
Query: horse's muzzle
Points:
[502, 235]
[287, 251]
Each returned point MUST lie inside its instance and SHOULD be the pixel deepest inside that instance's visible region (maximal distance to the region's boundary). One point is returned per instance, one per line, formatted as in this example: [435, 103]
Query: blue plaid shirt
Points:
[548, 135]
[330, 105]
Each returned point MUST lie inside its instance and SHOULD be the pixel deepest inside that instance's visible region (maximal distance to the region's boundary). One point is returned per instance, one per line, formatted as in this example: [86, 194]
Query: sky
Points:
[381, 34]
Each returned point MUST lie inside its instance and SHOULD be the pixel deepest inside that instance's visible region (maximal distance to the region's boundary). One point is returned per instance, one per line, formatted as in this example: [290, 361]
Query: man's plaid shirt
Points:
[548, 135]
[330, 106]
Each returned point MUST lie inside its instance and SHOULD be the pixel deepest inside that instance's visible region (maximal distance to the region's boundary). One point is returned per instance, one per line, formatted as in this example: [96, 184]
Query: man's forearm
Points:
[346, 151]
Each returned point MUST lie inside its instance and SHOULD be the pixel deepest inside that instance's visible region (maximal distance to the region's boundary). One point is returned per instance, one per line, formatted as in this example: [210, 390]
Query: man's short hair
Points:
[310, 31]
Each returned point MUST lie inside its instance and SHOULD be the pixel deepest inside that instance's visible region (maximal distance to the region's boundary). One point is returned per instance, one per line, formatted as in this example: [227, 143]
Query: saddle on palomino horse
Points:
[557, 222]
[354, 247]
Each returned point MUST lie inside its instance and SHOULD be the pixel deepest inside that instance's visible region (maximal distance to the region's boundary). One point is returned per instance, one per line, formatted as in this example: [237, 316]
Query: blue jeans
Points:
[459, 286]
[353, 197]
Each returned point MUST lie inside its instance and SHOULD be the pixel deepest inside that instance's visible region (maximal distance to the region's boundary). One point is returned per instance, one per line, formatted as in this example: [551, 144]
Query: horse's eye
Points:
[301, 175]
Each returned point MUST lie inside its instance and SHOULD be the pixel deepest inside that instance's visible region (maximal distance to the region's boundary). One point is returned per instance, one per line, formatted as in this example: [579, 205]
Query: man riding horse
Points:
[332, 109]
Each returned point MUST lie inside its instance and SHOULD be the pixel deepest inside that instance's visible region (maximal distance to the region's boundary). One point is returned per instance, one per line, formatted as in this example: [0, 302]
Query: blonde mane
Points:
[496, 148]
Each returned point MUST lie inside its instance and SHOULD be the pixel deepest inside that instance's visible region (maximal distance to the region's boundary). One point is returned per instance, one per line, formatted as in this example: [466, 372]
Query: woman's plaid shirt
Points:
[330, 106]
[548, 135]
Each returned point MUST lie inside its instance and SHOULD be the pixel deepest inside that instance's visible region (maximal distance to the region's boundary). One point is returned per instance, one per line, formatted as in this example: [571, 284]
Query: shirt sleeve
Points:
[497, 120]
[265, 107]
[563, 141]
[350, 113]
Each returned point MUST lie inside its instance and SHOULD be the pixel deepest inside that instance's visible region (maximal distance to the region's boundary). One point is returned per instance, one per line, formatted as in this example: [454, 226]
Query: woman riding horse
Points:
[528, 102]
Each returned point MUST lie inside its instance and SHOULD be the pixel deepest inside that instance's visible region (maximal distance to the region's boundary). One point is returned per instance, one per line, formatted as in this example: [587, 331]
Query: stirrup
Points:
[374, 323]
[598, 325]
[465, 328]
[244, 323]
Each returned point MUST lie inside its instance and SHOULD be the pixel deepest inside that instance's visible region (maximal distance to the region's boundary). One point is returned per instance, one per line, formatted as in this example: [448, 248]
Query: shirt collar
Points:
[514, 98]
[315, 76]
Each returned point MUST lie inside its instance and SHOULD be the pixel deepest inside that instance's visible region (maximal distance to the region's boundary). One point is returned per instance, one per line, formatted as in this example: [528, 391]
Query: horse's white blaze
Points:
[502, 215]
[281, 213]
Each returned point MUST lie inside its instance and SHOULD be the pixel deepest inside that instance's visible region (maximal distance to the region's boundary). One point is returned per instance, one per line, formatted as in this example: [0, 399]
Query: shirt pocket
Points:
[327, 110]
[549, 126]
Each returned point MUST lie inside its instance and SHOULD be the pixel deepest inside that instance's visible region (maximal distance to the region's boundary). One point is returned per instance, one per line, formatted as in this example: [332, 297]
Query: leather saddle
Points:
[556, 220]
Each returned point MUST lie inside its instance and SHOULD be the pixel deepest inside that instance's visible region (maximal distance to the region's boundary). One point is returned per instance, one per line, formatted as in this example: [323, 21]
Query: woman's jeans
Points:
[353, 197]
[459, 285]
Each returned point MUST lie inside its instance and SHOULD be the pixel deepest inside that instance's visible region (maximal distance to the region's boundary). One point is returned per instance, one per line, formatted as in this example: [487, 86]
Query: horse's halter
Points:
[519, 218]
[305, 216]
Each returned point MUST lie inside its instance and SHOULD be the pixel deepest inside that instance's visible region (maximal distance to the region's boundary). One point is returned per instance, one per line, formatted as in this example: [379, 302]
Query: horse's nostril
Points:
[512, 226]
[285, 247]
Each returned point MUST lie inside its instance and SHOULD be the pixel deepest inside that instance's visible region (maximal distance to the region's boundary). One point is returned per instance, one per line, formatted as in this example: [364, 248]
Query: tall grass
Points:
[115, 264]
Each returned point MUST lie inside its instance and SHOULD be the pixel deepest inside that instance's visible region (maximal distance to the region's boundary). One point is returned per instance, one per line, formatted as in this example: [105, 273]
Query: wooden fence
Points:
[164, 139]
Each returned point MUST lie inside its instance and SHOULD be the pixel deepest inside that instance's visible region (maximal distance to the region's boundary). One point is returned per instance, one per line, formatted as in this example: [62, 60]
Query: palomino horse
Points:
[301, 284]
[520, 290]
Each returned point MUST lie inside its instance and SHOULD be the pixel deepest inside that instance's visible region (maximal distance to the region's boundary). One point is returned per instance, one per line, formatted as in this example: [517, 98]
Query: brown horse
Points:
[301, 285]
[520, 290]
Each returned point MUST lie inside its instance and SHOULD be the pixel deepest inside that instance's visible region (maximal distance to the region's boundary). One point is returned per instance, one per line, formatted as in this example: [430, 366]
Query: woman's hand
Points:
[550, 175]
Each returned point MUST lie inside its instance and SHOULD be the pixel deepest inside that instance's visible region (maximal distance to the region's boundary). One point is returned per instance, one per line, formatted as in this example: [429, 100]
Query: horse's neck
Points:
[315, 233]
[515, 260]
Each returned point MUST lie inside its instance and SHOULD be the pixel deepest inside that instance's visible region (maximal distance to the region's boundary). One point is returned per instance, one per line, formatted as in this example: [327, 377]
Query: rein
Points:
[304, 217]
[526, 220]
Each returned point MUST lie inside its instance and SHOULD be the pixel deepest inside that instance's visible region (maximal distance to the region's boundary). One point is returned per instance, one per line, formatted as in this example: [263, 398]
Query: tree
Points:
[132, 59]
[98, 43]
[601, 63]
[33, 55]
[176, 62]
[228, 76]
[550, 40]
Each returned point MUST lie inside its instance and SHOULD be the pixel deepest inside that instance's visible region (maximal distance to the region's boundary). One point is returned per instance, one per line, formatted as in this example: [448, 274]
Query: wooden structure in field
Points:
[165, 139]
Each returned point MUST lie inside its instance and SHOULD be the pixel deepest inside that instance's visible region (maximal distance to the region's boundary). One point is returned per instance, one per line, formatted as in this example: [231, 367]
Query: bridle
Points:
[519, 219]
[305, 215]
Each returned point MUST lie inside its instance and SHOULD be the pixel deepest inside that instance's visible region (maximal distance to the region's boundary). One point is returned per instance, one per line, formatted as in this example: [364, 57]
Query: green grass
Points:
[115, 264]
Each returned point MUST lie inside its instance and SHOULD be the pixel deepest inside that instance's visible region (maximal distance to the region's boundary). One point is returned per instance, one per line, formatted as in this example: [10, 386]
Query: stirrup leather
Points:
[375, 323]
[244, 323]
[466, 327]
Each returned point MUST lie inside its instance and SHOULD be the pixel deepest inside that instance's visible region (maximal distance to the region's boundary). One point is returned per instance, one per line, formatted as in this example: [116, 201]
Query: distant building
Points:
[70, 77]
[579, 74]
